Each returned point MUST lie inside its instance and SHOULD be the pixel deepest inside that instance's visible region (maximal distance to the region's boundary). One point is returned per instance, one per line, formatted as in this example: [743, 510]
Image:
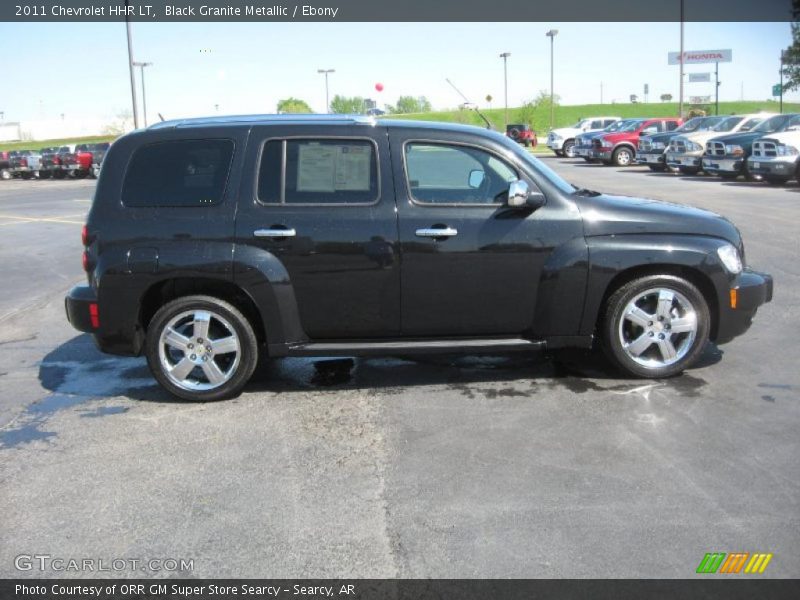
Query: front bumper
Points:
[651, 158]
[78, 304]
[676, 161]
[722, 164]
[582, 151]
[753, 289]
[555, 144]
[782, 167]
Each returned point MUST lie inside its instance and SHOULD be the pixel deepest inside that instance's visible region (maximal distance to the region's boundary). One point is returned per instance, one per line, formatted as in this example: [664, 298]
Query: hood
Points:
[745, 140]
[619, 215]
[701, 137]
[661, 137]
[791, 138]
[590, 135]
[567, 131]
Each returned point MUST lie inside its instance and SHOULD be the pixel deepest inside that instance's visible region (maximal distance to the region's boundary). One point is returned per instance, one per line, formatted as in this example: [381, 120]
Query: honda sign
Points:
[695, 57]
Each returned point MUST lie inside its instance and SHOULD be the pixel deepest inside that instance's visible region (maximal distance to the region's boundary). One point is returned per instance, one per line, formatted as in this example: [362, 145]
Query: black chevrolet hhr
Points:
[211, 241]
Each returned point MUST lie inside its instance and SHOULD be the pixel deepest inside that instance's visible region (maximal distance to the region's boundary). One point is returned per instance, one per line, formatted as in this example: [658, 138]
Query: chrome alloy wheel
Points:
[624, 157]
[199, 350]
[658, 327]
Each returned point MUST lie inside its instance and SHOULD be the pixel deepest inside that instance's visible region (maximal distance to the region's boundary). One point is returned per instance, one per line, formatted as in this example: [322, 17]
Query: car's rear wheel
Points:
[622, 156]
[5, 174]
[201, 348]
[656, 326]
[569, 149]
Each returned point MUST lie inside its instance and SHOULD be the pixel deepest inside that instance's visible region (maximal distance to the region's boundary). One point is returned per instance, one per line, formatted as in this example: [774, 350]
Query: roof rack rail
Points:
[263, 118]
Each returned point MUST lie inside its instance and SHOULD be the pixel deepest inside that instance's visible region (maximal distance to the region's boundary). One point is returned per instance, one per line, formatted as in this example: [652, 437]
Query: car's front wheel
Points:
[656, 326]
[623, 156]
[569, 149]
[201, 348]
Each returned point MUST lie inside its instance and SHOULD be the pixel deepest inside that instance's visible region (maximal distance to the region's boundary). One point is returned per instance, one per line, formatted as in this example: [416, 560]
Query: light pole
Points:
[505, 56]
[130, 67]
[141, 66]
[552, 35]
[680, 59]
[327, 99]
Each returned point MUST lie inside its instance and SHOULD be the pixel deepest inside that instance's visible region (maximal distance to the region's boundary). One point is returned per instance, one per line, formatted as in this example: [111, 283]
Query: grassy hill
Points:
[568, 115]
[36, 145]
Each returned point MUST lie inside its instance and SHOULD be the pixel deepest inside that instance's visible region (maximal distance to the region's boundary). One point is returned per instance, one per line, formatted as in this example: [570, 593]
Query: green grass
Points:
[36, 145]
[569, 115]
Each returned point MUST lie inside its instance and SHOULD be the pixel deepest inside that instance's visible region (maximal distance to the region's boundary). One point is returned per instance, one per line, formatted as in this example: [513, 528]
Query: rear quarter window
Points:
[181, 173]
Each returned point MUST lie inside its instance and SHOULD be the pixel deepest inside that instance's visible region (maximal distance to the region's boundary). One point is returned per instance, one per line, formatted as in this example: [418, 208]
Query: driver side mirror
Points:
[476, 177]
[519, 195]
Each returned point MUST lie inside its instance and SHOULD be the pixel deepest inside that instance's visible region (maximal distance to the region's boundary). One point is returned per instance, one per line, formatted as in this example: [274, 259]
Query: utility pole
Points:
[141, 66]
[716, 88]
[327, 100]
[130, 67]
[782, 61]
[680, 59]
[601, 92]
[552, 35]
[505, 56]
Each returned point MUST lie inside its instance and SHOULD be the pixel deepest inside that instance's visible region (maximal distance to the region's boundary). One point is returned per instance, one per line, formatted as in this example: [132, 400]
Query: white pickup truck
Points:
[775, 157]
[562, 140]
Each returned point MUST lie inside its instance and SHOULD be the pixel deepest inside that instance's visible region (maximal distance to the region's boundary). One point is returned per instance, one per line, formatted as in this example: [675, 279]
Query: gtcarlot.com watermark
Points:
[47, 562]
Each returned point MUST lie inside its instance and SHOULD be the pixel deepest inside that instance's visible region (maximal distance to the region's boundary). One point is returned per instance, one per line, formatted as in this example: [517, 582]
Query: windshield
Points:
[772, 124]
[632, 125]
[728, 124]
[539, 166]
[793, 122]
[690, 125]
[750, 124]
[616, 126]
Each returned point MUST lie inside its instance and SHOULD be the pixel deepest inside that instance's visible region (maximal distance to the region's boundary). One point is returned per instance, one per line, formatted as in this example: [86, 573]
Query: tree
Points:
[121, 124]
[527, 112]
[790, 57]
[409, 104]
[542, 100]
[344, 105]
[293, 105]
[666, 97]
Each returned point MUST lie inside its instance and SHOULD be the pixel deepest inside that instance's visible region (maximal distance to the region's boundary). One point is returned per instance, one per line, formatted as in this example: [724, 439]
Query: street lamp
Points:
[141, 66]
[130, 67]
[505, 56]
[327, 100]
[552, 35]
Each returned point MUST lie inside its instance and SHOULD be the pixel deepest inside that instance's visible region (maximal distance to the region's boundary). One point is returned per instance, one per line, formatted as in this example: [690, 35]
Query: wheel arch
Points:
[166, 290]
[691, 274]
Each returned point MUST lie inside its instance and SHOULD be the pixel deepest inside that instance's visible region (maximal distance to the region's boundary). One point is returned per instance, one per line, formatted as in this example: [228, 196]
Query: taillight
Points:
[23, 162]
[85, 261]
[94, 315]
[85, 235]
[56, 160]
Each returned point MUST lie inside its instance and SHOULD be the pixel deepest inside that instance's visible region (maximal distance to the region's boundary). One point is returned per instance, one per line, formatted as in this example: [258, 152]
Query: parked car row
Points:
[75, 160]
[753, 146]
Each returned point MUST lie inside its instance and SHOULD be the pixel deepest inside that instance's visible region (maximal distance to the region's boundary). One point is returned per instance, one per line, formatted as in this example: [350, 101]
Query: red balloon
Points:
[379, 87]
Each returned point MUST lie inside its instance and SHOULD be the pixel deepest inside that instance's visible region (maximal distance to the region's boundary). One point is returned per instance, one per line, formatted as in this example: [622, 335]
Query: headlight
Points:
[606, 143]
[734, 149]
[730, 258]
[658, 145]
[555, 136]
[786, 150]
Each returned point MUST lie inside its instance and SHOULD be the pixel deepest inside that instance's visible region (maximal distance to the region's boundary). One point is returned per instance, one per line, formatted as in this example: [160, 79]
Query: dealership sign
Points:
[696, 77]
[696, 57]
[699, 99]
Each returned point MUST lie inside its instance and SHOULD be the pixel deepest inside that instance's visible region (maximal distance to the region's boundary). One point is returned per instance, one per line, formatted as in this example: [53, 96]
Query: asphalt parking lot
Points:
[464, 467]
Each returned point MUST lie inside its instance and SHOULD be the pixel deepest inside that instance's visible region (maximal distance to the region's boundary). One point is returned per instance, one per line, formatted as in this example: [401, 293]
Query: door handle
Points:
[275, 233]
[435, 232]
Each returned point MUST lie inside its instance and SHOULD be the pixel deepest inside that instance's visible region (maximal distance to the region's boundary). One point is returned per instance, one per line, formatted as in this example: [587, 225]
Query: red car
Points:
[79, 162]
[522, 134]
[619, 147]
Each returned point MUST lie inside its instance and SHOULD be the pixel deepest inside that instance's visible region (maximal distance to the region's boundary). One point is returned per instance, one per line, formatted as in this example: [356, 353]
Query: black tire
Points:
[45, 174]
[613, 315]
[623, 156]
[248, 347]
[657, 168]
[689, 170]
[559, 153]
[567, 149]
[527, 143]
[5, 174]
[59, 174]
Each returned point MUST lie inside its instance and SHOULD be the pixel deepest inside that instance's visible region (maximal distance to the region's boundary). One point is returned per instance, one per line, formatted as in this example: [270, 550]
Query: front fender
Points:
[262, 275]
[613, 257]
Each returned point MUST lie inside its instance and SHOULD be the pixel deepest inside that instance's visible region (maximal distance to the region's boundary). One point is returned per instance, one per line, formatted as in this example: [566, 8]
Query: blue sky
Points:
[81, 69]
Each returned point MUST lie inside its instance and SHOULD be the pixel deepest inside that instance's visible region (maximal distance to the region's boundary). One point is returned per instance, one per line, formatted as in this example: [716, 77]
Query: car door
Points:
[470, 265]
[320, 199]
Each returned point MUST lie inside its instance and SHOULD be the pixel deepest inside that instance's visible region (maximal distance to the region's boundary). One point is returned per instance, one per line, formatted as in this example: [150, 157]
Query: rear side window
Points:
[182, 173]
[318, 171]
[672, 125]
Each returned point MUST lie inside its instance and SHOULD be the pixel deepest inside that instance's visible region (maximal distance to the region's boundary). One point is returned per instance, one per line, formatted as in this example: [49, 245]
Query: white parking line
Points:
[15, 220]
